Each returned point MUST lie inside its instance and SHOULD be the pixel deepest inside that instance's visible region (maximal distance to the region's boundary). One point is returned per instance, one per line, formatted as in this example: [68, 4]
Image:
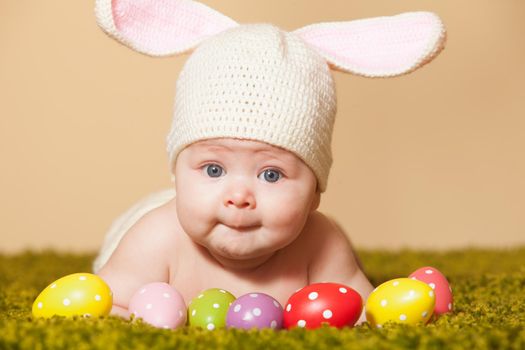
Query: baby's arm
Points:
[140, 258]
[334, 260]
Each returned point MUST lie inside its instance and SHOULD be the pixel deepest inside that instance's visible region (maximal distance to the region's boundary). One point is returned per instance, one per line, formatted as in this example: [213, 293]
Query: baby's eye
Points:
[214, 170]
[271, 175]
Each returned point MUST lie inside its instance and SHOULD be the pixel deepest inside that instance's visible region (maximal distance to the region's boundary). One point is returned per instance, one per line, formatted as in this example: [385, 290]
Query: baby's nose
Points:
[240, 198]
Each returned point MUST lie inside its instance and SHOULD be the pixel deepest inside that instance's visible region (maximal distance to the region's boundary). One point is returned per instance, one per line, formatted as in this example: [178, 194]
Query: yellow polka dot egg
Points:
[82, 294]
[401, 300]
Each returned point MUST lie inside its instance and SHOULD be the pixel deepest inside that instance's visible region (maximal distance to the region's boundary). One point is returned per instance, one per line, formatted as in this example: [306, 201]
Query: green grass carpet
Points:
[489, 292]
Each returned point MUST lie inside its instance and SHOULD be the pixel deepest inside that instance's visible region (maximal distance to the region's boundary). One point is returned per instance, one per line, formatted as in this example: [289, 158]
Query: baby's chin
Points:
[240, 245]
[238, 250]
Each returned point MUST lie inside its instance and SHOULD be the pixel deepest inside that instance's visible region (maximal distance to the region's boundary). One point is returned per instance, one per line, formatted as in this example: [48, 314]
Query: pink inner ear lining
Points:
[384, 56]
[161, 27]
[383, 46]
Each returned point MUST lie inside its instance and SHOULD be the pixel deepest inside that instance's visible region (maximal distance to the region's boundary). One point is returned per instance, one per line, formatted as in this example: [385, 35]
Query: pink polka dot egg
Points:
[255, 310]
[160, 305]
[438, 282]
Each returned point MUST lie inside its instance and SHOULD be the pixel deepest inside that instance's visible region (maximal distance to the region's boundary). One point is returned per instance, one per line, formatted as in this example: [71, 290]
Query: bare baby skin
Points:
[244, 219]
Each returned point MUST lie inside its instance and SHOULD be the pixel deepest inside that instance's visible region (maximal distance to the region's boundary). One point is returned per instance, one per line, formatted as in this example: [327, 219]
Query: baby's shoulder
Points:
[322, 231]
[321, 223]
[329, 245]
[156, 228]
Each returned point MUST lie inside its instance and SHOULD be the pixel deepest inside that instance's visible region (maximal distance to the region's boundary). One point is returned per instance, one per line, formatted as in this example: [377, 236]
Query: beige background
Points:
[434, 159]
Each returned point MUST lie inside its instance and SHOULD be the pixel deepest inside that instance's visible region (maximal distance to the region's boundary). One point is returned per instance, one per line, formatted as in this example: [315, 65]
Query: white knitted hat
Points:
[259, 82]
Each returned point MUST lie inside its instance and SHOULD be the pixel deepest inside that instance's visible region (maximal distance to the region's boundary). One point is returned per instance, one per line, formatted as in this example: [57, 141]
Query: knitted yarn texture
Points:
[257, 82]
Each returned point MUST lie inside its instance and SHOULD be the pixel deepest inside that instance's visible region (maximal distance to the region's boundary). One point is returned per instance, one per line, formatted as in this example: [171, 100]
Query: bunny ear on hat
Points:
[160, 27]
[378, 47]
[374, 47]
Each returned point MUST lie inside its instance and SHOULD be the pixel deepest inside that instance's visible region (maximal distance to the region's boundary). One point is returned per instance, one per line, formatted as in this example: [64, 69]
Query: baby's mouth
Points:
[242, 228]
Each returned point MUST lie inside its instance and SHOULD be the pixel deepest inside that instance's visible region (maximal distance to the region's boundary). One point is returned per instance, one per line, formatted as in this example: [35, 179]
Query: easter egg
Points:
[401, 300]
[159, 304]
[255, 310]
[438, 282]
[82, 294]
[208, 310]
[332, 304]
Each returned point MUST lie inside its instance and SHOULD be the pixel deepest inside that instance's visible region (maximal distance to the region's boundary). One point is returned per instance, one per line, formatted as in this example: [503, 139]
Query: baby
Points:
[249, 149]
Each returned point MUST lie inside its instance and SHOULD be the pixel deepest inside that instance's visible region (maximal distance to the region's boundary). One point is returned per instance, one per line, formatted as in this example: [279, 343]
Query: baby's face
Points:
[243, 200]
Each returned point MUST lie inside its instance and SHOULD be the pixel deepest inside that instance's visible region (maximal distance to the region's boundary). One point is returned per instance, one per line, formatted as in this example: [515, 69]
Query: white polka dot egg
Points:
[255, 310]
[208, 309]
[159, 304]
[401, 300]
[319, 304]
[438, 282]
[82, 294]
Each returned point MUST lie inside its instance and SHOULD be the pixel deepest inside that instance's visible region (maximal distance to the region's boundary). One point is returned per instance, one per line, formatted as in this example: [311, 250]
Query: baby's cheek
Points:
[286, 215]
[194, 216]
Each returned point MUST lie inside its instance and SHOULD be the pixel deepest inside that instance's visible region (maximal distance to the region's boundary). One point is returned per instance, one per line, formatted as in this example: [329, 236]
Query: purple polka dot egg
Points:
[255, 310]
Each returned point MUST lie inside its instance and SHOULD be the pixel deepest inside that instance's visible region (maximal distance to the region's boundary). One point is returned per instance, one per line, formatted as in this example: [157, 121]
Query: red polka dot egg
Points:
[438, 282]
[332, 304]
